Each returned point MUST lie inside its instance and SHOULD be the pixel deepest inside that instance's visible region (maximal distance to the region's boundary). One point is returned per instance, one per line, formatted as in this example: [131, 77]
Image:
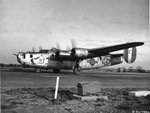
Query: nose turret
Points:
[20, 56]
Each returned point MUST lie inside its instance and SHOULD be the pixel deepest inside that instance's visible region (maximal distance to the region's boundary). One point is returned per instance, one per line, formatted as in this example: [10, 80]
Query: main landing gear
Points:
[77, 70]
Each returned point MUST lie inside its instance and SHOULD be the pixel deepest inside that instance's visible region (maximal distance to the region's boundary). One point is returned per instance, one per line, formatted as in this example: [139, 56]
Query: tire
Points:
[56, 70]
[37, 70]
[77, 70]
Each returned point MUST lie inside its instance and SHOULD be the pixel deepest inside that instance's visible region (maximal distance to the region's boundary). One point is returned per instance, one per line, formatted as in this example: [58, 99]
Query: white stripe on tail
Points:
[130, 55]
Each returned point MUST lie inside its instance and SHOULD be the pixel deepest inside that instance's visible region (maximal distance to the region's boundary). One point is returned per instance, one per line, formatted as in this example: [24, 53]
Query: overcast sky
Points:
[92, 23]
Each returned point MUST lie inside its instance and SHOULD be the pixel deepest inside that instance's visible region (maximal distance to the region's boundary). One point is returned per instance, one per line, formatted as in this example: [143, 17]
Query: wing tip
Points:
[140, 43]
[137, 43]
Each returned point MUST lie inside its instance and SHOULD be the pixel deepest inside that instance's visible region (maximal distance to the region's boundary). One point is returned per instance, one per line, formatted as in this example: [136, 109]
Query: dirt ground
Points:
[40, 100]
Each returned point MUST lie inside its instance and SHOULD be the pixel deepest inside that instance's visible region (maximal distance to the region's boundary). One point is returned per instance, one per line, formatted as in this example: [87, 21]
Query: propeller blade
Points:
[33, 49]
[58, 46]
[40, 48]
[73, 43]
[68, 48]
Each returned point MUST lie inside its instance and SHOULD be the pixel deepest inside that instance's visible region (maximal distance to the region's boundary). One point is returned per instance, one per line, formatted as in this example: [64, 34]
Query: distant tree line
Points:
[131, 69]
[138, 69]
[9, 65]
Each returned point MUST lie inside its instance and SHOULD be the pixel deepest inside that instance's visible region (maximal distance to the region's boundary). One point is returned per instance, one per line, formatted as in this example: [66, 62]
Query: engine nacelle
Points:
[79, 52]
[63, 55]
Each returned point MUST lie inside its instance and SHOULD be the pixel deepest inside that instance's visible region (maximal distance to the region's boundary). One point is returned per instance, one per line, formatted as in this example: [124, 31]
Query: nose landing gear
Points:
[37, 70]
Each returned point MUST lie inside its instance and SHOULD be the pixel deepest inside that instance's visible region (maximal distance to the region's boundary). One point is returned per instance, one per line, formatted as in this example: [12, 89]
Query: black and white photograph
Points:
[74, 56]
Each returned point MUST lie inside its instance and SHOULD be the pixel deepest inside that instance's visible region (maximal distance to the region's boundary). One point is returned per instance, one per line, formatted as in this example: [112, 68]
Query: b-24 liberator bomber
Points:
[78, 59]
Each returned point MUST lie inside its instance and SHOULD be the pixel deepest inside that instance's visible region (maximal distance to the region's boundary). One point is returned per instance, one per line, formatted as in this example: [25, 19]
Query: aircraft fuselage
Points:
[47, 60]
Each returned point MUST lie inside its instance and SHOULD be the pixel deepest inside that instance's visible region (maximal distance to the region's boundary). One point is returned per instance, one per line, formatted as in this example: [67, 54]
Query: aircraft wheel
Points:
[77, 70]
[38, 70]
[56, 70]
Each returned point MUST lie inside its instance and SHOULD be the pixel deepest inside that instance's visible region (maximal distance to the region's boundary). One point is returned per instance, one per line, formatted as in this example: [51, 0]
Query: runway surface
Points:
[19, 79]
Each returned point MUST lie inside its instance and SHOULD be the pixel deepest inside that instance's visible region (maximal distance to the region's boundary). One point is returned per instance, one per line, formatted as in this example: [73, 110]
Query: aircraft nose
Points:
[18, 58]
[18, 55]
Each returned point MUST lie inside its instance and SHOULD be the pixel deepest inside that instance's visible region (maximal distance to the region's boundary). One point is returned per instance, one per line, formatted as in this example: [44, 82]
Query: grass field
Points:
[29, 92]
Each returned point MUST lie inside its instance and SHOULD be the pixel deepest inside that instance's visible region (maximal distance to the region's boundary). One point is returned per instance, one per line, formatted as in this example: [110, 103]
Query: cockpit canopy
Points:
[47, 50]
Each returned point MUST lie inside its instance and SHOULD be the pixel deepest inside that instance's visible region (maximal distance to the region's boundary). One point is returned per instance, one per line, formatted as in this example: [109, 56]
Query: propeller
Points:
[40, 48]
[58, 46]
[33, 49]
[68, 48]
[73, 43]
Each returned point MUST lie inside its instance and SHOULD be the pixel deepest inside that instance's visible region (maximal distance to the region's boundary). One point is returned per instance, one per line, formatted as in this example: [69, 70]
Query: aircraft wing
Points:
[106, 50]
[82, 53]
